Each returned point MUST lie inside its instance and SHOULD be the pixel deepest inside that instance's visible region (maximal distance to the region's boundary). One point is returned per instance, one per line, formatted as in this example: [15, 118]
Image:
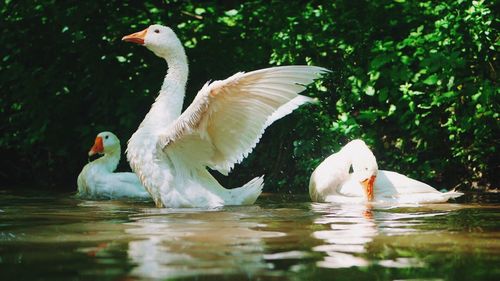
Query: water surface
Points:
[282, 237]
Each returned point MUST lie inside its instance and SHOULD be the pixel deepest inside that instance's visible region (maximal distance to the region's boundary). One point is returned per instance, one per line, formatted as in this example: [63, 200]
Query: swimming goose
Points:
[332, 182]
[171, 151]
[97, 180]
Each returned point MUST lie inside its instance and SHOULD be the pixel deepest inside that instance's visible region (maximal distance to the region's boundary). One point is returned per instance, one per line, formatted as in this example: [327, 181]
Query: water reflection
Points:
[351, 227]
[281, 238]
[355, 228]
[178, 243]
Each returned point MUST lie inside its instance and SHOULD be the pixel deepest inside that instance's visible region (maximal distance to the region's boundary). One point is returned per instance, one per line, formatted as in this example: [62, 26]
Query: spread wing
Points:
[227, 118]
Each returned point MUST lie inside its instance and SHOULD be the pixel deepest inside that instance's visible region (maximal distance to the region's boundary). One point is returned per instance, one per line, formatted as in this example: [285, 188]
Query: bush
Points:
[415, 79]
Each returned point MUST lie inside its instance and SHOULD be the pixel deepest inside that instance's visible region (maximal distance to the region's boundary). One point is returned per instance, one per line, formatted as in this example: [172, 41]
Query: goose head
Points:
[105, 143]
[160, 39]
[364, 166]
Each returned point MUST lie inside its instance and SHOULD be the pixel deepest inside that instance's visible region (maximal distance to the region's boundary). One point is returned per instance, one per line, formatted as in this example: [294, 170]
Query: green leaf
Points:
[231, 13]
[199, 11]
[431, 80]
[370, 91]
[392, 109]
[121, 59]
[383, 94]
[379, 61]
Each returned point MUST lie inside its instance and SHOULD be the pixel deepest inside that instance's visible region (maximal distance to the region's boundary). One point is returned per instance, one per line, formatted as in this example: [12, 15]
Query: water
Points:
[57, 237]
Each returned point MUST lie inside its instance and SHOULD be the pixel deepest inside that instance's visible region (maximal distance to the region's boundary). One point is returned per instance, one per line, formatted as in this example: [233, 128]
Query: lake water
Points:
[282, 237]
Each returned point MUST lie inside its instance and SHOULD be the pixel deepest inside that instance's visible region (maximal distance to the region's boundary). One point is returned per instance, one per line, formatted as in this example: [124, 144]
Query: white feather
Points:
[331, 181]
[239, 109]
[98, 180]
[171, 151]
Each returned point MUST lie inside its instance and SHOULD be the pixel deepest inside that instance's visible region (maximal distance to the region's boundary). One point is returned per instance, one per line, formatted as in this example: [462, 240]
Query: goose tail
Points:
[248, 193]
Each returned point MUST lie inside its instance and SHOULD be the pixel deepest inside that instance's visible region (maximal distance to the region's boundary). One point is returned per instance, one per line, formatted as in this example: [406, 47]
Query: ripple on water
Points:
[282, 237]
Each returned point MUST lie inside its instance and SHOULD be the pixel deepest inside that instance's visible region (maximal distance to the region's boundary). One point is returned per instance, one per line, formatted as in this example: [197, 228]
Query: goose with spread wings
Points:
[170, 151]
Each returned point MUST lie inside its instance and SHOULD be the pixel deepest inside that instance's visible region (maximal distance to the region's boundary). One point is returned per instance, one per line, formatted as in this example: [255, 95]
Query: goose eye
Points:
[157, 31]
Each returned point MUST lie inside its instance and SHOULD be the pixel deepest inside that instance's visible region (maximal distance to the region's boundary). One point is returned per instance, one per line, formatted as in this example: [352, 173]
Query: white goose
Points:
[170, 151]
[97, 180]
[332, 182]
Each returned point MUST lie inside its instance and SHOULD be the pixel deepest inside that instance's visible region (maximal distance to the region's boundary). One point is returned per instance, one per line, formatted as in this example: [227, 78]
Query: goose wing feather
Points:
[227, 118]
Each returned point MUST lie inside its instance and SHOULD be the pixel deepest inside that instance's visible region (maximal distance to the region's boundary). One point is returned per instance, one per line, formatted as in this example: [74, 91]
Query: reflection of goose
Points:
[97, 178]
[214, 242]
[332, 182]
[170, 151]
[351, 228]
[356, 230]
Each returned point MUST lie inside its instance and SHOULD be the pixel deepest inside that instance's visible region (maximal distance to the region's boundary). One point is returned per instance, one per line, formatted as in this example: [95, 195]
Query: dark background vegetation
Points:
[417, 80]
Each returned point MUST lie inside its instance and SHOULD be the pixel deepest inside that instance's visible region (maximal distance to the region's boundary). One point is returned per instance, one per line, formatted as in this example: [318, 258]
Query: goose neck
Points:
[177, 73]
[109, 160]
[168, 104]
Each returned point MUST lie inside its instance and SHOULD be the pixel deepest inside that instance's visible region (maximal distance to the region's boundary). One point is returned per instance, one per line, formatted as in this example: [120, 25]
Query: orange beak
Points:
[98, 147]
[137, 37]
[368, 186]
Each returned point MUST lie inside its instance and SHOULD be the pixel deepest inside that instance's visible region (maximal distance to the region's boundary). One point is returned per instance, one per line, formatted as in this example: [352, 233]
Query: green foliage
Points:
[416, 79]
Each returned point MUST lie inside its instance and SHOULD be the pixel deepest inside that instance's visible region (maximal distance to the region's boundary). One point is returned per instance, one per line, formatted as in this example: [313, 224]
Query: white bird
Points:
[97, 180]
[332, 182]
[171, 151]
